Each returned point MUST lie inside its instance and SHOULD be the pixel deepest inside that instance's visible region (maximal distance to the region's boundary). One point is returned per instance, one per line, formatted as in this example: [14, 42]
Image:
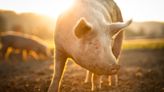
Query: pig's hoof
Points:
[110, 83]
[116, 84]
[85, 81]
[93, 88]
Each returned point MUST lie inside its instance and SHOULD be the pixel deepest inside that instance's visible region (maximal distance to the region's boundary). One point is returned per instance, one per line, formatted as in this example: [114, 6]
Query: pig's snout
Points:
[115, 68]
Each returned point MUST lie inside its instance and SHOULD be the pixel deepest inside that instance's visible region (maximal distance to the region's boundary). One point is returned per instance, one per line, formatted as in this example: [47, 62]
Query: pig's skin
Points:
[21, 42]
[84, 33]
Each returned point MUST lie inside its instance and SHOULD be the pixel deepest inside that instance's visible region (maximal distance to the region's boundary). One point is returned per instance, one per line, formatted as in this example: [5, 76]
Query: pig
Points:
[85, 33]
[23, 42]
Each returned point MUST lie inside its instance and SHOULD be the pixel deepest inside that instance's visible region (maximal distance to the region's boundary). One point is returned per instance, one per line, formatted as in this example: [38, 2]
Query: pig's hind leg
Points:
[88, 76]
[96, 81]
[116, 79]
[110, 80]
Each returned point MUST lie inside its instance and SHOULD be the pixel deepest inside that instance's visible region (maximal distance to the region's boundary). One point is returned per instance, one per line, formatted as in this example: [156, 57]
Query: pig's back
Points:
[112, 9]
[13, 40]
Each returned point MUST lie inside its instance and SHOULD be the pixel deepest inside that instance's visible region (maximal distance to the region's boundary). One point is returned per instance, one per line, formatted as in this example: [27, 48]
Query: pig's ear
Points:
[116, 27]
[82, 28]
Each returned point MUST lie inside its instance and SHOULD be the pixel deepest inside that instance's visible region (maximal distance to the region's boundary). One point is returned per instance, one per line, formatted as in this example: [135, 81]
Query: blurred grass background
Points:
[143, 44]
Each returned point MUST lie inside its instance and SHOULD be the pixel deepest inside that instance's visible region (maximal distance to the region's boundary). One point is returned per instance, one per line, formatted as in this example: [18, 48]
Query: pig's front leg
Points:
[60, 60]
[92, 82]
[115, 79]
[88, 77]
[96, 81]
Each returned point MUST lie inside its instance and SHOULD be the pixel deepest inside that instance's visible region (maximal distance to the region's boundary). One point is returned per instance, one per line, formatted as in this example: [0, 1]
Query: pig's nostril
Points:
[116, 66]
[114, 70]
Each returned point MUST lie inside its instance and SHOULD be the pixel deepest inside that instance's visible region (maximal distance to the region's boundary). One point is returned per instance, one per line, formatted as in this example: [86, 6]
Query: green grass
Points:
[144, 44]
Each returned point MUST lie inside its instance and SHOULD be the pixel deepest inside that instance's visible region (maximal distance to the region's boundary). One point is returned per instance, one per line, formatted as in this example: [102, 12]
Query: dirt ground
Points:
[141, 71]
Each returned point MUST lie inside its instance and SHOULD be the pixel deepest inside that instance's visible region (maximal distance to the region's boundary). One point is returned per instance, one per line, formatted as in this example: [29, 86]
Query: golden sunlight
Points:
[57, 7]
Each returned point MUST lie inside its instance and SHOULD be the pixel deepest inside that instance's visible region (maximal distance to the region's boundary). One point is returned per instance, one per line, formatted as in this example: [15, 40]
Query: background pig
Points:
[23, 42]
[85, 33]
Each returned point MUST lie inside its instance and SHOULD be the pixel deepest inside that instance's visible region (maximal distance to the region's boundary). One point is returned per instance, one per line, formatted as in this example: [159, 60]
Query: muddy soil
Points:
[141, 71]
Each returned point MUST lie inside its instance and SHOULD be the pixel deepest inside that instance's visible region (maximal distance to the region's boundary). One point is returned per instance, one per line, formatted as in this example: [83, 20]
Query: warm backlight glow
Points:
[57, 7]
[51, 8]
[138, 10]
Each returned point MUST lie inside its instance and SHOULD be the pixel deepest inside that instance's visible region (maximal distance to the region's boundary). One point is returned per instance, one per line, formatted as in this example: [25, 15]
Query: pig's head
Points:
[96, 45]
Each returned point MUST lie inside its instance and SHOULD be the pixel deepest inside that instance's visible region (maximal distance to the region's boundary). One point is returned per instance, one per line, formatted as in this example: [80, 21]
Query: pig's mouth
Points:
[115, 68]
[110, 70]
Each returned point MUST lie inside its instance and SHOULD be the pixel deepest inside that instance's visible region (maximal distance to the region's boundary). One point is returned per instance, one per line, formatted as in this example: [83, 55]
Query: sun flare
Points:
[56, 7]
